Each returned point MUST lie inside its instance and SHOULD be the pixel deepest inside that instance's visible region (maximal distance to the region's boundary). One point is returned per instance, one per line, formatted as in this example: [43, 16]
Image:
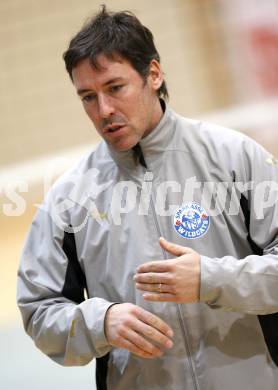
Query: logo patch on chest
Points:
[191, 220]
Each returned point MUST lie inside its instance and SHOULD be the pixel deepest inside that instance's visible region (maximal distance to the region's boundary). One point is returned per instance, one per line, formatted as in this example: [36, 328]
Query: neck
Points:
[157, 115]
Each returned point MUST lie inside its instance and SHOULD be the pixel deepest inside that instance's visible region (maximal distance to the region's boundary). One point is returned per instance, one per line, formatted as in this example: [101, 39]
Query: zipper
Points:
[183, 327]
[181, 321]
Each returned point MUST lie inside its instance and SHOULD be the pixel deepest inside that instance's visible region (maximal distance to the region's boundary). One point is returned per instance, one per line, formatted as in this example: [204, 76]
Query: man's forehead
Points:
[106, 68]
[104, 63]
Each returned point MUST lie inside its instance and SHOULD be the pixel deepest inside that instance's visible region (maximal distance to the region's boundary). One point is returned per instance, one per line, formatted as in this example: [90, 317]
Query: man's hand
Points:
[175, 280]
[137, 330]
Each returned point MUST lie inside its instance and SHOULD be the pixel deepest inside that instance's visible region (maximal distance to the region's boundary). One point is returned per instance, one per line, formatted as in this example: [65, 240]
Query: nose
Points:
[106, 109]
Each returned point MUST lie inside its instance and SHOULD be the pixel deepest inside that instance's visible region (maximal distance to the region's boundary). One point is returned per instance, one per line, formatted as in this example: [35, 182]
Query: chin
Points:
[124, 147]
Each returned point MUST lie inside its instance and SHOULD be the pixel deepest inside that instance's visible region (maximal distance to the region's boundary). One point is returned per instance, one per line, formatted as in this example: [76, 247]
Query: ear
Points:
[155, 77]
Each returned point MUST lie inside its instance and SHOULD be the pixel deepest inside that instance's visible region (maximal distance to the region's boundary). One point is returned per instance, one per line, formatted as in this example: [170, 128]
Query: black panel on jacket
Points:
[101, 372]
[246, 212]
[75, 281]
[268, 322]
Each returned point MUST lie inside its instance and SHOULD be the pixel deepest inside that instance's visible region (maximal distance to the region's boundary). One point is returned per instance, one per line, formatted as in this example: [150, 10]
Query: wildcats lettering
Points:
[191, 220]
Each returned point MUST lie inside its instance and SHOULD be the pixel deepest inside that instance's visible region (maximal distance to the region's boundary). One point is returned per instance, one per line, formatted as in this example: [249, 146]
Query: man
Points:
[193, 310]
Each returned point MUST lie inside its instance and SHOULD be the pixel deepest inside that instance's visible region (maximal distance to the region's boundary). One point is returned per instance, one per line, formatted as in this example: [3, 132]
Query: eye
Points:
[88, 98]
[115, 88]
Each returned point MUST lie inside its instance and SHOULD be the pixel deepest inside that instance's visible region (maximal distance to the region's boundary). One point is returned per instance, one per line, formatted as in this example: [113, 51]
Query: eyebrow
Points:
[111, 81]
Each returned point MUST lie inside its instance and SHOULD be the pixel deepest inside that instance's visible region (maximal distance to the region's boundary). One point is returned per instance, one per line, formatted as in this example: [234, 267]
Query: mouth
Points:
[113, 128]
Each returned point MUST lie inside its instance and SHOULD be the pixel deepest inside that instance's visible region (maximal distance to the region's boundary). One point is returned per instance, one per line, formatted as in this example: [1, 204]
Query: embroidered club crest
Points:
[191, 220]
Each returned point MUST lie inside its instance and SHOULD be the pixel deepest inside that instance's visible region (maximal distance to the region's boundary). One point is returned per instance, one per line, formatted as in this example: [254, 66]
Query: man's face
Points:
[123, 107]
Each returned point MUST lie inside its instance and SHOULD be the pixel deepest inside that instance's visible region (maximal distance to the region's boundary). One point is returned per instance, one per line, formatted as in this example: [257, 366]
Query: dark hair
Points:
[112, 33]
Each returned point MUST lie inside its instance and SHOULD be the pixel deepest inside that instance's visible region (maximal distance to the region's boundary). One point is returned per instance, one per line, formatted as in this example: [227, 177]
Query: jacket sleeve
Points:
[250, 284]
[50, 295]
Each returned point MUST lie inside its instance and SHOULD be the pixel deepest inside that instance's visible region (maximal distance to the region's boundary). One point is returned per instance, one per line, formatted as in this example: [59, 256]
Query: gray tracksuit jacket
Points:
[196, 184]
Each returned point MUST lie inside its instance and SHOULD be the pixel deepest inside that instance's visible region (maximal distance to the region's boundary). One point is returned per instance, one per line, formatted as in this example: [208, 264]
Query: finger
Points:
[154, 321]
[140, 342]
[151, 277]
[159, 288]
[164, 297]
[155, 266]
[174, 249]
[134, 349]
[153, 334]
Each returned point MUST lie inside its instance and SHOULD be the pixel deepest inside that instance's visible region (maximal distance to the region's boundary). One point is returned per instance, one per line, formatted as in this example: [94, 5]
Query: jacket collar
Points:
[155, 142]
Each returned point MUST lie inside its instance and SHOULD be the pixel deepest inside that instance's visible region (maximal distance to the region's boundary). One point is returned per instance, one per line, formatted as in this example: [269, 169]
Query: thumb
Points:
[174, 249]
